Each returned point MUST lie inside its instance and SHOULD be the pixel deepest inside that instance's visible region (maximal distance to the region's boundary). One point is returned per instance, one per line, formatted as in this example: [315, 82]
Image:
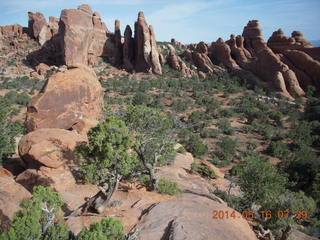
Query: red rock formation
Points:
[146, 54]
[306, 64]
[268, 65]
[11, 195]
[178, 64]
[128, 49]
[118, 44]
[202, 47]
[49, 30]
[83, 35]
[221, 52]
[11, 30]
[50, 147]
[68, 98]
[35, 24]
[298, 36]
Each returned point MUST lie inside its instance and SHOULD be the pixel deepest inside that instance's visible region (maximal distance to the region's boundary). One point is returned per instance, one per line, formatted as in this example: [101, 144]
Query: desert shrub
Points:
[302, 167]
[209, 133]
[184, 134]
[140, 98]
[180, 105]
[203, 170]
[225, 127]
[196, 146]
[8, 129]
[260, 181]
[278, 149]
[232, 201]
[227, 148]
[106, 229]
[226, 113]
[198, 119]
[165, 186]
[18, 98]
[301, 134]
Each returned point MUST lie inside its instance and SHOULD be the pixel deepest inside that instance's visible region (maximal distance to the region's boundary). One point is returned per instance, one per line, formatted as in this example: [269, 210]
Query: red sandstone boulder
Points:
[51, 147]
[68, 98]
[42, 69]
[11, 194]
[189, 218]
[57, 178]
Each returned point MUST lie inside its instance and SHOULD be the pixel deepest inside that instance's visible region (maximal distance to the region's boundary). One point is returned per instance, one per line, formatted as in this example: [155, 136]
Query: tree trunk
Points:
[153, 178]
[101, 202]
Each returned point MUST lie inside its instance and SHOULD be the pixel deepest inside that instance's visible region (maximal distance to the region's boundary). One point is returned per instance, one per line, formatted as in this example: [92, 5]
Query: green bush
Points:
[196, 146]
[227, 148]
[203, 170]
[278, 149]
[165, 186]
[8, 129]
[18, 98]
[108, 228]
[209, 133]
[140, 98]
[180, 105]
[225, 126]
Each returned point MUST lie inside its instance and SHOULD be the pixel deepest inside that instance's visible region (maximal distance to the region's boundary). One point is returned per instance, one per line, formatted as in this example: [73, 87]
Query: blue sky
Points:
[186, 20]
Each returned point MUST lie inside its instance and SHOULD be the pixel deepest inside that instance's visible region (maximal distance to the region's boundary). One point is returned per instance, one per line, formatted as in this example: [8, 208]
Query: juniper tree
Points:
[105, 160]
[154, 132]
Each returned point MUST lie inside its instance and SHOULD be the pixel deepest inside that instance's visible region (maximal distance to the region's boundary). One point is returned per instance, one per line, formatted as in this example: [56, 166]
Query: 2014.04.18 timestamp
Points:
[268, 214]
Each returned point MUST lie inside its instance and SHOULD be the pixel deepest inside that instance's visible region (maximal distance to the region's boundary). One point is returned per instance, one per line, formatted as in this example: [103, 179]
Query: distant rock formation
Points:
[146, 52]
[11, 30]
[83, 36]
[178, 64]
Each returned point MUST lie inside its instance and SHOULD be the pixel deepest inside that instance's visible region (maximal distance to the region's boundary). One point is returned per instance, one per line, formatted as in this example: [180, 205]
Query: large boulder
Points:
[68, 98]
[51, 147]
[190, 218]
[11, 194]
[83, 35]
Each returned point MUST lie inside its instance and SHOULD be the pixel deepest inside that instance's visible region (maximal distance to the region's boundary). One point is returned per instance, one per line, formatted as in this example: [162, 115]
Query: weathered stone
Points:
[188, 218]
[35, 24]
[11, 194]
[146, 53]
[128, 49]
[83, 35]
[51, 147]
[11, 30]
[68, 98]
